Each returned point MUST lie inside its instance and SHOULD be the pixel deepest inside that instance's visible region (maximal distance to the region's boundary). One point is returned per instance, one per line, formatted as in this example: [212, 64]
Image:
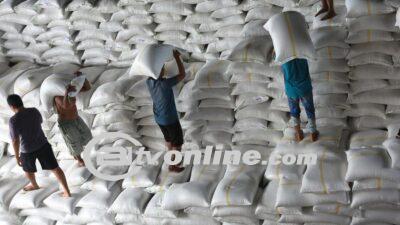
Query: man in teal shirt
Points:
[298, 88]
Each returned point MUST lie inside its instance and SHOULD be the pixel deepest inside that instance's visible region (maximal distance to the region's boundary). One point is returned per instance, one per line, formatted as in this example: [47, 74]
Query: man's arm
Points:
[16, 143]
[64, 101]
[15, 140]
[182, 72]
[86, 86]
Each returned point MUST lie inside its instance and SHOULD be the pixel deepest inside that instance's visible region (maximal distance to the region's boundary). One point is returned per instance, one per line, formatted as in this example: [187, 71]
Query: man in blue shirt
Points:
[165, 113]
[298, 88]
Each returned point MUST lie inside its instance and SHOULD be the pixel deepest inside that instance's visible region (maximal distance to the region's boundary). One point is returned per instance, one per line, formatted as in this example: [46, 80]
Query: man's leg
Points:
[48, 161]
[331, 10]
[28, 161]
[62, 180]
[308, 103]
[33, 186]
[294, 106]
[72, 138]
[86, 136]
[324, 8]
[177, 142]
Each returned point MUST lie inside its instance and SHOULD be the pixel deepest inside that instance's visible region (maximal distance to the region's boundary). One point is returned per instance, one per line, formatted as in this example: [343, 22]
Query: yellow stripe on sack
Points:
[163, 180]
[278, 171]
[250, 76]
[246, 53]
[369, 7]
[209, 82]
[201, 172]
[321, 172]
[337, 210]
[328, 75]
[330, 54]
[133, 180]
[369, 35]
[379, 183]
[229, 187]
[291, 35]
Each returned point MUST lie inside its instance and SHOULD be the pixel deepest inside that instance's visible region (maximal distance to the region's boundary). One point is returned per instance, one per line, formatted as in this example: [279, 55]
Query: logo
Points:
[115, 156]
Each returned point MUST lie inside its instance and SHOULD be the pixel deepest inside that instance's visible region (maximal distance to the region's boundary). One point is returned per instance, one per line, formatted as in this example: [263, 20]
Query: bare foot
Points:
[329, 15]
[299, 133]
[314, 136]
[323, 10]
[66, 195]
[81, 163]
[176, 169]
[30, 188]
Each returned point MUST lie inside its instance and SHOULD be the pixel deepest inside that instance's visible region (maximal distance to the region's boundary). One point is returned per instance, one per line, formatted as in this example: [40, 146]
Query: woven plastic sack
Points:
[290, 37]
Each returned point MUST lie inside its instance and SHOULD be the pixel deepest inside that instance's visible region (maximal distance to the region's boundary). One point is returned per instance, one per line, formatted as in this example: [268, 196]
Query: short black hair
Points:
[15, 101]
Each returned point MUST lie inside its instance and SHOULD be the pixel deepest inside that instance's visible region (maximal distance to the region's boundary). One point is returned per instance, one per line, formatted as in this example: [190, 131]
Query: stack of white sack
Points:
[375, 177]
[236, 195]
[256, 123]
[86, 18]
[311, 197]
[155, 212]
[187, 101]
[169, 25]
[372, 57]
[130, 205]
[119, 53]
[30, 204]
[7, 80]
[257, 14]
[329, 74]
[93, 207]
[13, 19]
[211, 88]
[52, 33]
[218, 25]
[195, 195]
[134, 27]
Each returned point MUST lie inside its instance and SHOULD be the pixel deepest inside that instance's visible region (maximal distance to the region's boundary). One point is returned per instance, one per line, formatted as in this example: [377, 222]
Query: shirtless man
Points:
[30, 144]
[75, 132]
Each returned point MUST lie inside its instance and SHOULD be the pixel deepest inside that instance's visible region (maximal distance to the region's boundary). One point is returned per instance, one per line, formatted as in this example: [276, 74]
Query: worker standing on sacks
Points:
[74, 130]
[27, 135]
[164, 108]
[293, 47]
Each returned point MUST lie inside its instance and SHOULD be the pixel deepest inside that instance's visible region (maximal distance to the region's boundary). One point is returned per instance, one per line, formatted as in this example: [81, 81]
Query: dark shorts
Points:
[173, 133]
[46, 158]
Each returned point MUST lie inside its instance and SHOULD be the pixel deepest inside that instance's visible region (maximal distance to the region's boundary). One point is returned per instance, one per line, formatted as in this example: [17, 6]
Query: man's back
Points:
[26, 124]
[297, 78]
[163, 99]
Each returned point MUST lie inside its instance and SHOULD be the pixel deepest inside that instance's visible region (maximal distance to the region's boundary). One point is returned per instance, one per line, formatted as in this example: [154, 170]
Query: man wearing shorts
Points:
[27, 135]
[74, 130]
[164, 108]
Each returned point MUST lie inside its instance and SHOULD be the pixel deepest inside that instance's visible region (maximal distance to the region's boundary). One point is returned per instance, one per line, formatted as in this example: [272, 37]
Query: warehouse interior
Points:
[232, 98]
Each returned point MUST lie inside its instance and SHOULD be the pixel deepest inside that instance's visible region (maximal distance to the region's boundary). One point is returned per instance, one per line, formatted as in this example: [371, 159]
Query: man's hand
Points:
[78, 73]
[69, 89]
[19, 162]
[177, 54]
